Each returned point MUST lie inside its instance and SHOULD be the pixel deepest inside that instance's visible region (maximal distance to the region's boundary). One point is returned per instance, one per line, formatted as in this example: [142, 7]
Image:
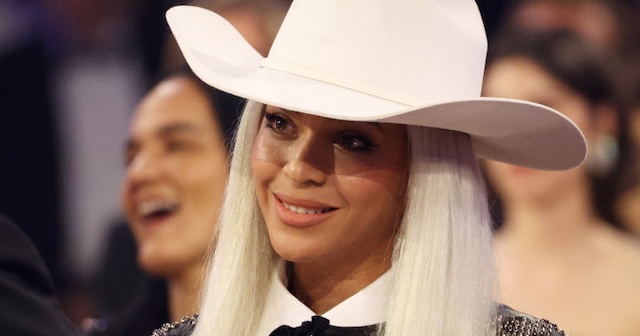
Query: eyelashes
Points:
[278, 123]
[354, 142]
[347, 139]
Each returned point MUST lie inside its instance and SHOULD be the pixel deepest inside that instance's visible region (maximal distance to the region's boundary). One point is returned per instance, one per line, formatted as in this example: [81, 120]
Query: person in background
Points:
[258, 22]
[608, 25]
[72, 72]
[628, 206]
[560, 249]
[177, 165]
[28, 301]
[355, 203]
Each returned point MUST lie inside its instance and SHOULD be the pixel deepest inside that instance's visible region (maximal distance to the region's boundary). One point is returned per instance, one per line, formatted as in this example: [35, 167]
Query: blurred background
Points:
[72, 72]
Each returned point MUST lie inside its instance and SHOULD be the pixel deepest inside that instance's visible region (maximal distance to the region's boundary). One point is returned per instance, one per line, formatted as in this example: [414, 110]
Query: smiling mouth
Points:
[152, 210]
[303, 210]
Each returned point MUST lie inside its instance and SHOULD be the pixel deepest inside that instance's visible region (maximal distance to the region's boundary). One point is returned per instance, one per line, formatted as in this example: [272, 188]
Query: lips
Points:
[152, 211]
[301, 213]
[304, 211]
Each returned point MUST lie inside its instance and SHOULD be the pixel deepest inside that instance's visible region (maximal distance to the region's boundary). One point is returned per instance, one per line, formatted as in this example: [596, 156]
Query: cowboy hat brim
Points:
[507, 130]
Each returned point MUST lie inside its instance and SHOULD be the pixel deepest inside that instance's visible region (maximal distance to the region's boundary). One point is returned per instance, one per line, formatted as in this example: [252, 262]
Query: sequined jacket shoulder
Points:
[184, 327]
[509, 322]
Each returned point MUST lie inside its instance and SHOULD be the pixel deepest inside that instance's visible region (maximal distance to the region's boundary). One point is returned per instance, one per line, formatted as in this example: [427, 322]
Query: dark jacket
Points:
[28, 303]
[508, 323]
[145, 313]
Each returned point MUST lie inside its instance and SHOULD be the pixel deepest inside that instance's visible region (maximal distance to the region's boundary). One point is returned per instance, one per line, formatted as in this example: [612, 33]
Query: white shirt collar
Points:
[366, 307]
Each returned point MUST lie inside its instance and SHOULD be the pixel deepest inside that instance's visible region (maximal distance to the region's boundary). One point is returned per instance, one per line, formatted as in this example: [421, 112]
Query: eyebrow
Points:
[165, 131]
[177, 128]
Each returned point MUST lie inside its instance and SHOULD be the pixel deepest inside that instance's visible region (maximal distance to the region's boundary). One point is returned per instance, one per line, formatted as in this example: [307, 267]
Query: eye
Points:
[175, 145]
[129, 156]
[278, 123]
[354, 142]
[130, 152]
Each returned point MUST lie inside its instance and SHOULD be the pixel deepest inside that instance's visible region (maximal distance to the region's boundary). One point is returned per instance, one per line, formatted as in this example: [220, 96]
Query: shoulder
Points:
[184, 327]
[26, 288]
[512, 322]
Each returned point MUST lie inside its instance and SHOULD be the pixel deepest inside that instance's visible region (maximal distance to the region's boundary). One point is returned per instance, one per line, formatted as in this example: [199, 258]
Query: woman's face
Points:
[521, 78]
[176, 173]
[330, 191]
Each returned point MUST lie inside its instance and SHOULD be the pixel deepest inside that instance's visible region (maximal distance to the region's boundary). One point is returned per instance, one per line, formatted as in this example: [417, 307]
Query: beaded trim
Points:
[167, 327]
[509, 326]
[524, 326]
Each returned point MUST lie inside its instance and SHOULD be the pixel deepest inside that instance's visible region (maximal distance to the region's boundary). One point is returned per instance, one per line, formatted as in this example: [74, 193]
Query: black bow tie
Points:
[319, 326]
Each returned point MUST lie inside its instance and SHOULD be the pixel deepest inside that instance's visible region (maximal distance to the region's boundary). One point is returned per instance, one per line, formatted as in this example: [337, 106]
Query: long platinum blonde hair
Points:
[442, 264]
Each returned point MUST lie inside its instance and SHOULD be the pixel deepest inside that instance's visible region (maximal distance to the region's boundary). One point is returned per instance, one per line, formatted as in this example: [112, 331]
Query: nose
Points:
[142, 170]
[309, 162]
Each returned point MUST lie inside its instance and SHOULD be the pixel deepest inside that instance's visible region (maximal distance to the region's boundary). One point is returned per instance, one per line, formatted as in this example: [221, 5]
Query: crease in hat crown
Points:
[419, 62]
[393, 51]
[358, 48]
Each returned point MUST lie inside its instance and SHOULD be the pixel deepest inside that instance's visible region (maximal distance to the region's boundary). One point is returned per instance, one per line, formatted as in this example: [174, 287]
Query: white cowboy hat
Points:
[415, 62]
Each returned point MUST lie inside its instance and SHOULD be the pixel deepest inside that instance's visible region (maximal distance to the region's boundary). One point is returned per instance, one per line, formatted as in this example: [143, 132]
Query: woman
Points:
[559, 250]
[607, 24]
[176, 172]
[627, 206]
[355, 205]
[177, 166]
[211, 109]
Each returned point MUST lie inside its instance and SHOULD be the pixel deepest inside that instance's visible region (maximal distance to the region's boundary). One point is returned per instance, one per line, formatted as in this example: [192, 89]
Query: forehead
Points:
[176, 100]
[505, 78]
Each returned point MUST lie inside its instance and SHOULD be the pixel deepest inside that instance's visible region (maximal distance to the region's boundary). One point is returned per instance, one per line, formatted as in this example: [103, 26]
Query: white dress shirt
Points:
[366, 307]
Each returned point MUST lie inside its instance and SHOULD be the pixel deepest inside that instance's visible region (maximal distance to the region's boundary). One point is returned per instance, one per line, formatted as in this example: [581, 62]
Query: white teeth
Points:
[302, 210]
[150, 207]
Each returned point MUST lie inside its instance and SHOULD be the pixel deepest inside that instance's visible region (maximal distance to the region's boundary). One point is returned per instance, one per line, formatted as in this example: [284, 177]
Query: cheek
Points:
[376, 205]
[198, 170]
[258, 156]
[266, 149]
[204, 193]
[125, 197]
[578, 111]
[497, 172]
[374, 189]
[199, 238]
[127, 201]
[266, 157]
[386, 174]
[263, 169]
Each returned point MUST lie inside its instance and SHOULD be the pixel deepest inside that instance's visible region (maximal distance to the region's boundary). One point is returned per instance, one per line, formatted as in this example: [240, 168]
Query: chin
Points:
[152, 267]
[158, 263]
[297, 247]
[163, 270]
[301, 256]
